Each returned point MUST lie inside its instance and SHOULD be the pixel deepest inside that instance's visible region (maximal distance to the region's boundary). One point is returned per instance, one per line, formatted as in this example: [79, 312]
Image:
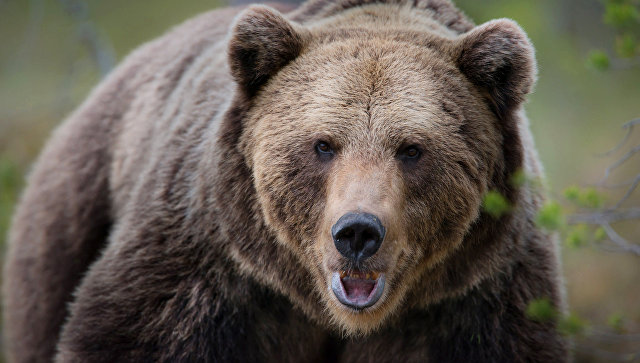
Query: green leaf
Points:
[10, 177]
[578, 236]
[10, 185]
[600, 234]
[571, 324]
[626, 46]
[598, 60]
[620, 14]
[616, 322]
[541, 310]
[572, 193]
[495, 204]
[586, 198]
[591, 198]
[550, 216]
[519, 178]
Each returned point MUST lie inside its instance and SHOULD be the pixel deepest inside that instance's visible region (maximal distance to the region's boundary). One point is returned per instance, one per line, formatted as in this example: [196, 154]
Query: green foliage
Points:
[541, 310]
[599, 60]
[10, 178]
[626, 45]
[571, 324]
[550, 216]
[495, 204]
[624, 17]
[616, 322]
[600, 234]
[10, 184]
[591, 198]
[620, 14]
[577, 236]
[572, 193]
[585, 198]
[519, 178]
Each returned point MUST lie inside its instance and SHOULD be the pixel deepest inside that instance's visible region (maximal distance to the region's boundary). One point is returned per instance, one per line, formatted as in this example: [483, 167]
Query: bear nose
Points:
[358, 235]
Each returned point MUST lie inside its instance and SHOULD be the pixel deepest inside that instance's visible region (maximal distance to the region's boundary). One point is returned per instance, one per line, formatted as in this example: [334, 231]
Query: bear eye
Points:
[323, 149]
[411, 152]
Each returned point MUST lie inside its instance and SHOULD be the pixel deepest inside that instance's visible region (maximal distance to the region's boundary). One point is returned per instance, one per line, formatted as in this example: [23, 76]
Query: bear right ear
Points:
[262, 42]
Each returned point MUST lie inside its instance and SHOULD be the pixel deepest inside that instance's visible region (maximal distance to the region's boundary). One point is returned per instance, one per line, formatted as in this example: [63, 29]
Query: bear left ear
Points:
[498, 57]
[262, 42]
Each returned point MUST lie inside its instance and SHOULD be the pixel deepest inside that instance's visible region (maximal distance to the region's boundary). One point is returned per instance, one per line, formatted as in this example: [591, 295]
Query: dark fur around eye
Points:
[324, 150]
[409, 153]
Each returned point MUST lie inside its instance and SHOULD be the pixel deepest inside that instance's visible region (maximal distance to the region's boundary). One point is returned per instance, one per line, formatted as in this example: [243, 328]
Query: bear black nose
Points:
[358, 235]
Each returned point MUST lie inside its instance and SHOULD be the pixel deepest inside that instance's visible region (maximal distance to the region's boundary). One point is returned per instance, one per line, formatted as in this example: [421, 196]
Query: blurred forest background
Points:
[52, 52]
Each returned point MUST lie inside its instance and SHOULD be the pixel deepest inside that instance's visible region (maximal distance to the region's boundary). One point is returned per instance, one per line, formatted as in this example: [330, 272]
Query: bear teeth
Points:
[359, 275]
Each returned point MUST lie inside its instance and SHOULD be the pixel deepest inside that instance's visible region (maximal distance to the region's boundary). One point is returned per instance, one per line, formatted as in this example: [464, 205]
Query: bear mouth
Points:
[356, 289]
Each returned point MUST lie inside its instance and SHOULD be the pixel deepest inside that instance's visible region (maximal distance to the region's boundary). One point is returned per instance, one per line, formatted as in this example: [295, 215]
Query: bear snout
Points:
[358, 235]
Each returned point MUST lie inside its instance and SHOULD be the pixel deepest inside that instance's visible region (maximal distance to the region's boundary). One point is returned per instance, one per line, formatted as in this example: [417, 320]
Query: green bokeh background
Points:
[575, 112]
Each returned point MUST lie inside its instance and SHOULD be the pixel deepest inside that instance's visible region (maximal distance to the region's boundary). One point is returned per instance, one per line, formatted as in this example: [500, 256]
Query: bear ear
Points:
[498, 57]
[262, 42]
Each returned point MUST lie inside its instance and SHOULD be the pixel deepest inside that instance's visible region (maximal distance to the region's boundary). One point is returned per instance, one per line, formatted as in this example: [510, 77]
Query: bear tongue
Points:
[358, 289]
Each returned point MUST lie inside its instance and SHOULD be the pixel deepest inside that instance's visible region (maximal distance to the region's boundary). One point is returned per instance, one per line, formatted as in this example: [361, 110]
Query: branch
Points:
[619, 185]
[629, 191]
[597, 337]
[607, 216]
[629, 126]
[603, 335]
[606, 355]
[29, 38]
[619, 242]
[619, 162]
[99, 47]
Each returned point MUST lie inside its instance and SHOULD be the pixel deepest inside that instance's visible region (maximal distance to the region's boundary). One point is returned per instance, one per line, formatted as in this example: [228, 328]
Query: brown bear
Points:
[254, 186]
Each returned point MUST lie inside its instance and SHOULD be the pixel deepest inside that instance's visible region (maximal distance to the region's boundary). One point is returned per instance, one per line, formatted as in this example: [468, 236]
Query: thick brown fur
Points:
[182, 213]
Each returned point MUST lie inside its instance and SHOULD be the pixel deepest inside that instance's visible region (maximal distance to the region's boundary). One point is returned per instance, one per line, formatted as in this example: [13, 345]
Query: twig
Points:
[597, 334]
[629, 126]
[608, 356]
[98, 46]
[36, 14]
[631, 123]
[619, 185]
[607, 216]
[619, 241]
[619, 162]
[628, 193]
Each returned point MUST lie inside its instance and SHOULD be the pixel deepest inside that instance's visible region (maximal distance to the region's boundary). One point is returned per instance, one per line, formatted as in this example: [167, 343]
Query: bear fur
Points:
[183, 212]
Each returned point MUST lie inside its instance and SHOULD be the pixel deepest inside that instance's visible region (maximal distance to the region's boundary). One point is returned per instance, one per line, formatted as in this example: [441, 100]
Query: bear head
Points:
[370, 144]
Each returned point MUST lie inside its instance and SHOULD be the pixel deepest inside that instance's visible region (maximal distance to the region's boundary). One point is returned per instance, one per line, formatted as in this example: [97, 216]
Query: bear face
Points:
[370, 153]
